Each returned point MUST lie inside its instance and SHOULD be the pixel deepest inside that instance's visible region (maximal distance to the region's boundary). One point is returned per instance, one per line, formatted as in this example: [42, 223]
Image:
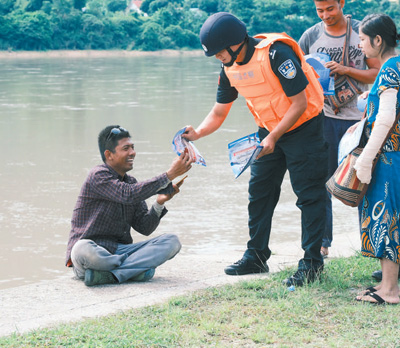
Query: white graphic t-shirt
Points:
[316, 40]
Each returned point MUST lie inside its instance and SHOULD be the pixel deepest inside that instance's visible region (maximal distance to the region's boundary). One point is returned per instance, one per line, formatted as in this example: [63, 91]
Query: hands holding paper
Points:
[179, 166]
[190, 134]
[336, 68]
[181, 143]
[268, 145]
[242, 152]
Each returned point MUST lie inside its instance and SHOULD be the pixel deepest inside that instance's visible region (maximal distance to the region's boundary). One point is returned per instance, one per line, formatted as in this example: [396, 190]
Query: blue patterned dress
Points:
[380, 232]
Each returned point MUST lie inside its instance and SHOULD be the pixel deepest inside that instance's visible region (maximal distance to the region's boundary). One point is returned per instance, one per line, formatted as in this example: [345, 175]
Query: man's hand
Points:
[162, 198]
[180, 182]
[366, 76]
[336, 68]
[180, 166]
[268, 144]
[190, 134]
[298, 106]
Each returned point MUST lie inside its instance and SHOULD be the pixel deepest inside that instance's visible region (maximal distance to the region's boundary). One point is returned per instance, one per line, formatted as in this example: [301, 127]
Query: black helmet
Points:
[221, 30]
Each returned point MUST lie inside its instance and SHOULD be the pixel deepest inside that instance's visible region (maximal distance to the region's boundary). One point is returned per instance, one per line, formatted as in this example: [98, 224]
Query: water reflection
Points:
[52, 110]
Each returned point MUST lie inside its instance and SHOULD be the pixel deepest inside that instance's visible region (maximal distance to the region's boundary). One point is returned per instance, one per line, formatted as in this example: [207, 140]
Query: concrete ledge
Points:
[66, 299]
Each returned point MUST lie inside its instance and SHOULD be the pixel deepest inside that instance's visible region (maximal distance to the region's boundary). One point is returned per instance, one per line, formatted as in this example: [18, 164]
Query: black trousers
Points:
[303, 152]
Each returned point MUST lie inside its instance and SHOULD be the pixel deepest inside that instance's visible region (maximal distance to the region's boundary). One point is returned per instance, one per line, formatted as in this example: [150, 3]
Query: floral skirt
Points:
[380, 235]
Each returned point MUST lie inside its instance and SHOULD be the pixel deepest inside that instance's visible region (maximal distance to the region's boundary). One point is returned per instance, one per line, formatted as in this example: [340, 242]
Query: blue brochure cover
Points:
[317, 61]
[243, 152]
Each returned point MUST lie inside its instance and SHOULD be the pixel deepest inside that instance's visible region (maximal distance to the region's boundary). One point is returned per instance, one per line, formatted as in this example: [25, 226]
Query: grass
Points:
[256, 313]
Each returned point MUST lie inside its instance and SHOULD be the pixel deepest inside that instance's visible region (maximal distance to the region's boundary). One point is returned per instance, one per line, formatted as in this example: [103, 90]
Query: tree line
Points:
[36, 25]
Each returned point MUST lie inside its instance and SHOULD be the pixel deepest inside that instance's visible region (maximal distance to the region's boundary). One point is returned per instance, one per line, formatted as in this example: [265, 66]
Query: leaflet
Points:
[317, 61]
[243, 152]
[179, 145]
[350, 140]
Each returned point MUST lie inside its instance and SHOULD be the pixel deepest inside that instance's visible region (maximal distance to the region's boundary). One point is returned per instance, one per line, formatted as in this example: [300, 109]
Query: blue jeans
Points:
[334, 130]
[303, 153]
[128, 261]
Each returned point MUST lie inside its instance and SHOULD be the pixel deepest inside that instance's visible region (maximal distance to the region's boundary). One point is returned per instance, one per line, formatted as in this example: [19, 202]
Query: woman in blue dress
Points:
[380, 220]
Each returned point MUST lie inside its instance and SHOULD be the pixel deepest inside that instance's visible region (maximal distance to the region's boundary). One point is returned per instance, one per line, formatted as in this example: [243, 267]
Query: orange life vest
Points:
[264, 94]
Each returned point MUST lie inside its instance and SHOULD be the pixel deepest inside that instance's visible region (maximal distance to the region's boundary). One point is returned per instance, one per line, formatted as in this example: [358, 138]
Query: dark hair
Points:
[382, 25]
[108, 140]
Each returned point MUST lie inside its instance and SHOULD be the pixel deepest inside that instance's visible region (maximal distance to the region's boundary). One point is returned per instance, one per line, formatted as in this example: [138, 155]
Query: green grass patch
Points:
[256, 313]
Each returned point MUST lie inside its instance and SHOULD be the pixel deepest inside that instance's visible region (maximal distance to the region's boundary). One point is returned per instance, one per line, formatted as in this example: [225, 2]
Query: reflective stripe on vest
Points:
[264, 94]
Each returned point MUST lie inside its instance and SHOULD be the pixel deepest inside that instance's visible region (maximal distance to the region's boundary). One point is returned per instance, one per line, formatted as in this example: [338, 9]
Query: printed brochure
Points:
[243, 152]
[179, 145]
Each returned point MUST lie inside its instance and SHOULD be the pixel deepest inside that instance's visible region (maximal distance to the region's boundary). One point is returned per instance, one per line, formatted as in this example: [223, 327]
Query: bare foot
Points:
[370, 289]
[374, 288]
[379, 297]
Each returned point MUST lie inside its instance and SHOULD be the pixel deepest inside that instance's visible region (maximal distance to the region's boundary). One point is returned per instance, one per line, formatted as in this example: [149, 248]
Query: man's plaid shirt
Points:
[109, 205]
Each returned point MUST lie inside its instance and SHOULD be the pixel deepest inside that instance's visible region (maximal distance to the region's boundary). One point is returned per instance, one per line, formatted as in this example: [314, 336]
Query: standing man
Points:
[100, 247]
[286, 101]
[328, 37]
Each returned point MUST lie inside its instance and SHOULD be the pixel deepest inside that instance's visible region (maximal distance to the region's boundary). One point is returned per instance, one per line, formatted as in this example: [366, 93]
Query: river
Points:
[51, 111]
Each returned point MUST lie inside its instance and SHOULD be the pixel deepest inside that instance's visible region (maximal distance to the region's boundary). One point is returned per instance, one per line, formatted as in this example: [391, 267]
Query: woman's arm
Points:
[382, 126]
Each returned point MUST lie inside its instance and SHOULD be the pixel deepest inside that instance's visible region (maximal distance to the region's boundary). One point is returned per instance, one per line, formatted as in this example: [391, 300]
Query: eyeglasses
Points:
[115, 131]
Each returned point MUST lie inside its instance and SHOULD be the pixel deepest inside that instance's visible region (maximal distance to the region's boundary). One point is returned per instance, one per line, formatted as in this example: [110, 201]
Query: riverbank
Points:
[95, 54]
[66, 299]
[253, 313]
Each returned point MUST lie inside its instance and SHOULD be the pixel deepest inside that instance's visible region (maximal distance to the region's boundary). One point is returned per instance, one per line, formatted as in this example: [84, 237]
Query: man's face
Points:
[122, 159]
[224, 56]
[330, 11]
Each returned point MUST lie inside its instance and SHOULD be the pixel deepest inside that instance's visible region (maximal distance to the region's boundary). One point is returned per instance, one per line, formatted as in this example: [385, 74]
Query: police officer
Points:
[286, 100]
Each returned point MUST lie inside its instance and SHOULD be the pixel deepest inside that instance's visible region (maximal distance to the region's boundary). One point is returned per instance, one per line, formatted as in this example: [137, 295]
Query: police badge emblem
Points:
[287, 69]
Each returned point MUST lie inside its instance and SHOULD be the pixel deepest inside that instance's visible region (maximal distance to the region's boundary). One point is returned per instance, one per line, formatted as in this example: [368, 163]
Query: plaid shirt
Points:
[109, 205]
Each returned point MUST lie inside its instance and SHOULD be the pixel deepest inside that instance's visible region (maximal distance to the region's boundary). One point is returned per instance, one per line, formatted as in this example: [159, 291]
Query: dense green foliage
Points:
[161, 24]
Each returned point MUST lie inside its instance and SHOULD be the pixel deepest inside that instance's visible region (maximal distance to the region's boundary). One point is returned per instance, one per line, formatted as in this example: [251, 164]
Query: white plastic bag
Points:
[350, 140]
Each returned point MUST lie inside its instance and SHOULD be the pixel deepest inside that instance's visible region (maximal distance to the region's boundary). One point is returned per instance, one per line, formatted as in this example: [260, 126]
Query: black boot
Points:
[247, 266]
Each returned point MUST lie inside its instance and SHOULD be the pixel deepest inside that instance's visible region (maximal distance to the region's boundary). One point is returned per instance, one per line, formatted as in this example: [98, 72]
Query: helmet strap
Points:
[234, 54]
